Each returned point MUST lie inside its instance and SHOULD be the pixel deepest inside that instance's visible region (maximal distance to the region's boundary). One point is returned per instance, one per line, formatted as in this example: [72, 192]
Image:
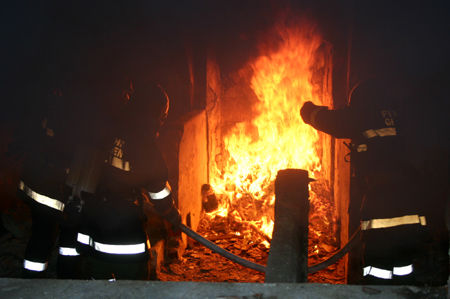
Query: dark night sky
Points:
[411, 36]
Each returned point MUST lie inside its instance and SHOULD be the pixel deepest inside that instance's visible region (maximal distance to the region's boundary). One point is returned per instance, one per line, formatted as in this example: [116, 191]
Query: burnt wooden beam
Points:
[288, 255]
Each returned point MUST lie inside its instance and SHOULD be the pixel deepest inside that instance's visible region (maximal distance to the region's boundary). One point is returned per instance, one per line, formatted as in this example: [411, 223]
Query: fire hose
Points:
[261, 268]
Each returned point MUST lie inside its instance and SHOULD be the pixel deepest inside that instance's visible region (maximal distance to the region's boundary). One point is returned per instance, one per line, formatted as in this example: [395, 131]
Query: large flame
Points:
[276, 138]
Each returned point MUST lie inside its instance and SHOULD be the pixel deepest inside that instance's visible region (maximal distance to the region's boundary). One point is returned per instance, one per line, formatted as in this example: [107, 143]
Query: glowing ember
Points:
[276, 138]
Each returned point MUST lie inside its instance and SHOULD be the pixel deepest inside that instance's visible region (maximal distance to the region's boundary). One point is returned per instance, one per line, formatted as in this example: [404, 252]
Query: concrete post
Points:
[288, 255]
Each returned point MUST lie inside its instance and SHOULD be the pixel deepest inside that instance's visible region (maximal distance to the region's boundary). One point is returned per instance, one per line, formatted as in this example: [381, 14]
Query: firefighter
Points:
[46, 149]
[393, 216]
[132, 171]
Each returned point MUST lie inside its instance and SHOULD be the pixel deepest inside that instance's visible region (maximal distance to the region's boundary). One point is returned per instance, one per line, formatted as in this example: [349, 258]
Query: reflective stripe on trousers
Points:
[84, 239]
[112, 248]
[391, 222]
[161, 194]
[68, 251]
[42, 199]
[387, 274]
[34, 266]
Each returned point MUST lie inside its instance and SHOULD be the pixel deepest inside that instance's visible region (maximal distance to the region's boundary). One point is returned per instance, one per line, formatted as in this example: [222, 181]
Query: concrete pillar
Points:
[288, 255]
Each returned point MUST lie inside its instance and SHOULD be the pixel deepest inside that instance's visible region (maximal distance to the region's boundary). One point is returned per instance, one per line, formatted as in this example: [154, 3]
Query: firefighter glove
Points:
[167, 210]
[309, 111]
[306, 111]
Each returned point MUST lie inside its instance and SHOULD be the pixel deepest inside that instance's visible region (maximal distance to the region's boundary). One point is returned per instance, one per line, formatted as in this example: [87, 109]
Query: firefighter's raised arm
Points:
[338, 123]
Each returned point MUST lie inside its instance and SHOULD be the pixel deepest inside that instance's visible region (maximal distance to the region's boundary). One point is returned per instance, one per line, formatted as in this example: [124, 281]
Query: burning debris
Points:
[201, 264]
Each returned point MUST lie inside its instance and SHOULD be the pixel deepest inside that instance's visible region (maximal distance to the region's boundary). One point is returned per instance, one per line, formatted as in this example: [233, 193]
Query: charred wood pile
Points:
[201, 264]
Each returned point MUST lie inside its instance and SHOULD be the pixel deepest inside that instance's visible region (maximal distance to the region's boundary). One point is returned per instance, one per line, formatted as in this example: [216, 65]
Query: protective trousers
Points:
[394, 233]
[112, 239]
[40, 244]
[391, 255]
[69, 259]
[44, 231]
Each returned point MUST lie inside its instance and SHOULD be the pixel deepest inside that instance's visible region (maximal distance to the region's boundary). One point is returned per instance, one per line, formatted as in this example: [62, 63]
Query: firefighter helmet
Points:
[147, 99]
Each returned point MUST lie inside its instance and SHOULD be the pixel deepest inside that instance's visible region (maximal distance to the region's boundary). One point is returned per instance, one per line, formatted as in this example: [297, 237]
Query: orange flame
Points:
[276, 138]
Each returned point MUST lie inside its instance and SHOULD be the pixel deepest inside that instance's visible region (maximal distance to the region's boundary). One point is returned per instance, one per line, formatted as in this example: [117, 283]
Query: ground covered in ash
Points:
[201, 264]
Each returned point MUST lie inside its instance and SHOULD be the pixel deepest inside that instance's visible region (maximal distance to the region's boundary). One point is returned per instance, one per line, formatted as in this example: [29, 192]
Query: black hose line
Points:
[338, 255]
[246, 263]
[221, 251]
